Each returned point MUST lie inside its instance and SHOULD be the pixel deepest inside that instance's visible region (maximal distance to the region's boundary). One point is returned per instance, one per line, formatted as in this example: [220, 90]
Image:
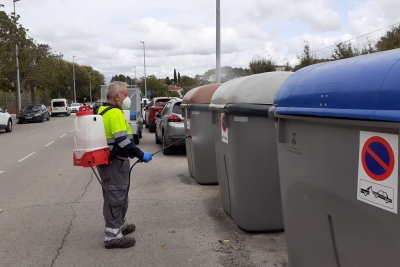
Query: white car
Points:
[5, 120]
[75, 107]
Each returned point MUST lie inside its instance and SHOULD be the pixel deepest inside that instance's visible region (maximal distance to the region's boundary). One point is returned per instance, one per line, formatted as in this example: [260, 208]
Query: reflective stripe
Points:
[119, 134]
[110, 140]
[119, 236]
[130, 136]
[112, 230]
[124, 143]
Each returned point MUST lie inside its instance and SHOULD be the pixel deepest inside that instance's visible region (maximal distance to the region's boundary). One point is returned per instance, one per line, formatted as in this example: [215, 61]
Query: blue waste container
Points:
[338, 140]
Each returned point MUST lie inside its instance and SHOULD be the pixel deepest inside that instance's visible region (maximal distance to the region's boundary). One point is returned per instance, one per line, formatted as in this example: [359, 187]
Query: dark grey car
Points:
[170, 126]
[34, 113]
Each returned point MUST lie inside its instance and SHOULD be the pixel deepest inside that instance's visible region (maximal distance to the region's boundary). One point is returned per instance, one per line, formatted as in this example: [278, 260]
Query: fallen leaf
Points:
[60, 174]
[1, 210]
[164, 247]
[226, 240]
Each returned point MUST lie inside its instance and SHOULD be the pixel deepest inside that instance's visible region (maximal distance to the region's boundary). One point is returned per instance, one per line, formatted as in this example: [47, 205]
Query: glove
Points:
[147, 157]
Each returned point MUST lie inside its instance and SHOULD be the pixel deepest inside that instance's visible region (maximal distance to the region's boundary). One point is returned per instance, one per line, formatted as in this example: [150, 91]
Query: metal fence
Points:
[8, 100]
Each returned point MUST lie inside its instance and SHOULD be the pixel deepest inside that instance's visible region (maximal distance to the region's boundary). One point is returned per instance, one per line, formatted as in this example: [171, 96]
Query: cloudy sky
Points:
[181, 34]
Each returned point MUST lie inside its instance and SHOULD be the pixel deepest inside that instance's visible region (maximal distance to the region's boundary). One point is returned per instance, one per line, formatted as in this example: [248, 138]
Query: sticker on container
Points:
[224, 128]
[188, 123]
[241, 119]
[195, 112]
[378, 170]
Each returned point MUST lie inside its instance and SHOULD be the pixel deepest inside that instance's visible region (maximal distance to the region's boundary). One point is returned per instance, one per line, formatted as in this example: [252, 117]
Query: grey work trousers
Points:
[115, 179]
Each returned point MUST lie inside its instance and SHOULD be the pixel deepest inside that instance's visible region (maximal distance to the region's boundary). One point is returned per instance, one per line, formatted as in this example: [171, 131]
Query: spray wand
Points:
[130, 170]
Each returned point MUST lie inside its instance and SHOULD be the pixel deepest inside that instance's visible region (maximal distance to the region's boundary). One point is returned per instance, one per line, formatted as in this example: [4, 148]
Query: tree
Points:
[391, 40]
[168, 81]
[156, 87]
[174, 94]
[175, 78]
[259, 64]
[307, 58]
[344, 50]
[179, 78]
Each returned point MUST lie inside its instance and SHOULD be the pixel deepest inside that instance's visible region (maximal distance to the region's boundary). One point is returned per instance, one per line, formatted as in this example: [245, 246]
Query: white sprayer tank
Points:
[89, 137]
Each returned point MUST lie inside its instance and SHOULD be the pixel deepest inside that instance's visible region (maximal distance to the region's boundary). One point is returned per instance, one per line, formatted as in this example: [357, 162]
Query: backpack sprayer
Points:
[91, 148]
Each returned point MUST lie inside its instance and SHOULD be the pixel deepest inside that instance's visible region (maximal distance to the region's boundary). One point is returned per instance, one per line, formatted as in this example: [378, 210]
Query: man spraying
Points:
[115, 175]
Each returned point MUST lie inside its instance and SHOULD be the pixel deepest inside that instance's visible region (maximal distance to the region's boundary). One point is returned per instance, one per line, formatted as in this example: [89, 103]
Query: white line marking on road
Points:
[26, 157]
[63, 135]
[49, 143]
[71, 130]
[1, 172]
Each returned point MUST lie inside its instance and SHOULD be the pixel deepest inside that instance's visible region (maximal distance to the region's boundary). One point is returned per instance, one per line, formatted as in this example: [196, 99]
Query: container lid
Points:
[363, 87]
[200, 95]
[253, 89]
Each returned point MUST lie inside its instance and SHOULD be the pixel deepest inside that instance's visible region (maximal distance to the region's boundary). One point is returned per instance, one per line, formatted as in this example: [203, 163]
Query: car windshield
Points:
[177, 109]
[58, 104]
[32, 108]
[75, 105]
[161, 102]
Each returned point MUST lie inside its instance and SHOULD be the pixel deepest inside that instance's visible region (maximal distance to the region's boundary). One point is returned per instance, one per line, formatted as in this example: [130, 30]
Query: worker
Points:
[115, 175]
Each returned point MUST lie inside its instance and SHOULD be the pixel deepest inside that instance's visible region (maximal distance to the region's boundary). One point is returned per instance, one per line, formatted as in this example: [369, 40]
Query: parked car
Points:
[60, 106]
[34, 113]
[155, 105]
[169, 126]
[5, 120]
[96, 106]
[75, 107]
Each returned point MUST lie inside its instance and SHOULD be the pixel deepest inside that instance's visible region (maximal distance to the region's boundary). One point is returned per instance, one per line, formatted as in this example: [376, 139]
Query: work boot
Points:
[129, 229]
[124, 242]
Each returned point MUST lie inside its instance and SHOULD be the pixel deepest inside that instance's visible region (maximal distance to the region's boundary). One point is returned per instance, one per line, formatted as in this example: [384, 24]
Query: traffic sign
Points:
[377, 158]
[224, 128]
[378, 170]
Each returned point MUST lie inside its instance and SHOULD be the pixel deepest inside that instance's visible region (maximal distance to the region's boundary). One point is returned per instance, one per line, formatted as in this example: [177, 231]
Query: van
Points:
[60, 106]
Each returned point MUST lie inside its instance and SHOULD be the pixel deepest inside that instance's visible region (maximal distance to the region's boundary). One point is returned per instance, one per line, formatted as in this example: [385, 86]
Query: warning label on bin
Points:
[378, 170]
[224, 129]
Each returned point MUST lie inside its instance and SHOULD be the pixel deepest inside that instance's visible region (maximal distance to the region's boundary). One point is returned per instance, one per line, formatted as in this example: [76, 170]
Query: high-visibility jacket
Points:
[118, 132]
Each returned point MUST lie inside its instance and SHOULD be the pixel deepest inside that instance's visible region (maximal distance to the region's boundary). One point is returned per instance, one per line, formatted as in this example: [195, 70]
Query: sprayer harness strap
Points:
[113, 153]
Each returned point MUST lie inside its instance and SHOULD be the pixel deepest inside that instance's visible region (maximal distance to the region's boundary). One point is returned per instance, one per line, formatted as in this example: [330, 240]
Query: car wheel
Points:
[168, 150]
[145, 124]
[152, 129]
[48, 118]
[156, 139]
[140, 134]
[42, 120]
[9, 126]
[136, 139]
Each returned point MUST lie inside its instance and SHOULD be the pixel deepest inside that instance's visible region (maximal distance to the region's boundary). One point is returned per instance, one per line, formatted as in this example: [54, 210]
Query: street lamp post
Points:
[16, 58]
[135, 74]
[90, 85]
[218, 68]
[73, 74]
[144, 60]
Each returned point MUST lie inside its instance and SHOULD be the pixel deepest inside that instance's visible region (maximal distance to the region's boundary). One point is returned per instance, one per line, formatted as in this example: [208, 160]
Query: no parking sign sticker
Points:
[224, 128]
[378, 170]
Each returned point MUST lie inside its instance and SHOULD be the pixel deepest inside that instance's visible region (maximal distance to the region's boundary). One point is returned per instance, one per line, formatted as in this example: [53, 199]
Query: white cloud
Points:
[181, 34]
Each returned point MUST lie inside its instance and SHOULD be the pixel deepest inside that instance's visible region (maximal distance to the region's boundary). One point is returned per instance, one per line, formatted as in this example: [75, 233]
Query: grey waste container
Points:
[338, 131]
[245, 143]
[187, 126]
[200, 149]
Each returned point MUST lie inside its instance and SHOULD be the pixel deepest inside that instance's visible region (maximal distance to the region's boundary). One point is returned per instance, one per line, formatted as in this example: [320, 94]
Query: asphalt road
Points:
[51, 212]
